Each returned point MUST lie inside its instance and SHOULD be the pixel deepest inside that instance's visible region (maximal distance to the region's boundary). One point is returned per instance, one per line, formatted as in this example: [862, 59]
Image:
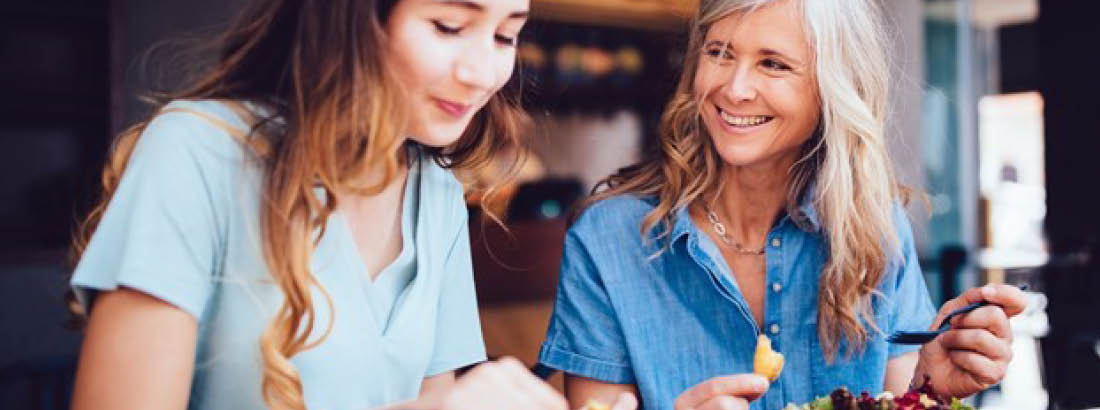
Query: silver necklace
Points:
[720, 230]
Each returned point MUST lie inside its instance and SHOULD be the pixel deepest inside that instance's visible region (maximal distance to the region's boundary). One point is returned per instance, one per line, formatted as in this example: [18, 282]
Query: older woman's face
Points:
[759, 94]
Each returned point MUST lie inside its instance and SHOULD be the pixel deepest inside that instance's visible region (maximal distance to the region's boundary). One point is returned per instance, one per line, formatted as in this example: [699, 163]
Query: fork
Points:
[919, 337]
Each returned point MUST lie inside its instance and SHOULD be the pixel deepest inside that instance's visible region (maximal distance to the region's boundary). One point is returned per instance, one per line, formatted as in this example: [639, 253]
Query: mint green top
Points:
[184, 227]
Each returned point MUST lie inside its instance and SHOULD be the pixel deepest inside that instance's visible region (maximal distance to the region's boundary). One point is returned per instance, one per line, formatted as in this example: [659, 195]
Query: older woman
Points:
[770, 208]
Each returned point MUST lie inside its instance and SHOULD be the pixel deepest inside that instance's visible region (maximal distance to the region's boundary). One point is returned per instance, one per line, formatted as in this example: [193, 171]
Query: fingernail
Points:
[988, 291]
[760, 383]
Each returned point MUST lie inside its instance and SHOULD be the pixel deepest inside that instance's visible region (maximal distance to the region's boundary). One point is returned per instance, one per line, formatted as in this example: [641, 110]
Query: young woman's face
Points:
[451, 56]
[757, 85]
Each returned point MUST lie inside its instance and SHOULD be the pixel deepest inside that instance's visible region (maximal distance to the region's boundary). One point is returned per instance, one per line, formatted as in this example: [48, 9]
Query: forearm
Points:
[437, 383]
[579, 390]
[901, 373]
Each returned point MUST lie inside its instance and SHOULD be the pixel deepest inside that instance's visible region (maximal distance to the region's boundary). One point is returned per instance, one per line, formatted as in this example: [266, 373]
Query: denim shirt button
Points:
[776, 287]
[774, 328]
[776, 242]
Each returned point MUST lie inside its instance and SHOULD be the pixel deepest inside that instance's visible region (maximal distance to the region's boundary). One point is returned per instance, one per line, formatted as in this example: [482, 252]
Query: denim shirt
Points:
[668, 322]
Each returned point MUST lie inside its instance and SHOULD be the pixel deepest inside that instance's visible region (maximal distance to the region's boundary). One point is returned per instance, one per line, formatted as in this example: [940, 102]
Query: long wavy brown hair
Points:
[846, 160]
[317, 66]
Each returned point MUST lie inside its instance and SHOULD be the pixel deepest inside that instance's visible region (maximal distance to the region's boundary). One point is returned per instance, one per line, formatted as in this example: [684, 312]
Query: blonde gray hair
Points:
[846, 161]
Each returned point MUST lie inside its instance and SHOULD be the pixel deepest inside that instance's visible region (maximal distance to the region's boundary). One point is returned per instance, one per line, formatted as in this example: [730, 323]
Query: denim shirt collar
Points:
[805, 218]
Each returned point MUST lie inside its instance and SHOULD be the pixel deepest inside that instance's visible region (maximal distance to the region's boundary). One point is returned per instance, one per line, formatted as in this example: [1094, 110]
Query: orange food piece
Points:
[595, 405]
[767, 362]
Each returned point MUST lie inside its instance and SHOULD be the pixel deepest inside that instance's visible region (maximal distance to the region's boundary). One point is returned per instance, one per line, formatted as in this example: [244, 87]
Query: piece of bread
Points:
[593, 404]
[767, 362]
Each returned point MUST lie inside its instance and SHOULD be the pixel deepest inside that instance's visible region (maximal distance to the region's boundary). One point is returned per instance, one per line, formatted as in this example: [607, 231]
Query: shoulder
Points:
[903, 257]
[439, 182]
[203, 130]
[903, 228]
[613, 217]
[616, 210]
[442, 196]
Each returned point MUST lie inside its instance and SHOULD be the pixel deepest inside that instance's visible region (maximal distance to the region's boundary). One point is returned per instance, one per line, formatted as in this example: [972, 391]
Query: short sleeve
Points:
[160, 232]
[458, 339]
[912, 305]
[584, 337]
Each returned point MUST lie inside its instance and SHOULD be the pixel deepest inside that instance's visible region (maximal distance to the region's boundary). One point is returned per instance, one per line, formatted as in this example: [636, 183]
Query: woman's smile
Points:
[738, 123]
[452, 108]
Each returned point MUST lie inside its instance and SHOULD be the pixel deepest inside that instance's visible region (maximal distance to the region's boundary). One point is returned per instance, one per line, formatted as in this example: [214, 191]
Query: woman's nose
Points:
[740, 86]
[474, 67]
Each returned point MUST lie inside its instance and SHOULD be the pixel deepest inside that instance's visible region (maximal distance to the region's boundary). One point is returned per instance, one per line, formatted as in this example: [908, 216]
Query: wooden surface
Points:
[517, 330]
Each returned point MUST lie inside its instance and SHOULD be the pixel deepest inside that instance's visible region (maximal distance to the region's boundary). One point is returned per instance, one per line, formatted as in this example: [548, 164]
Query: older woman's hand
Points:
[973, 355]
[733, 392]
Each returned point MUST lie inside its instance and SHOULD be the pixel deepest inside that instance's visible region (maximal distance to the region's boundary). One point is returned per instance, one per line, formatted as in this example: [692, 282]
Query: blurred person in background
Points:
[770, 208]
[285, 231]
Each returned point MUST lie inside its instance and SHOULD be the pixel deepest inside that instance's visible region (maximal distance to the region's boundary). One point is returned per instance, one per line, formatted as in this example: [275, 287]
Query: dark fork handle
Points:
[946, 323]
[919, 337]
[966, 309]
[922, 337]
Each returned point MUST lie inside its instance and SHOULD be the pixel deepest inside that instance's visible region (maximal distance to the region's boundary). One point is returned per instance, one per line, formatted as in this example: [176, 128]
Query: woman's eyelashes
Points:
[722, 56]
[505, 40]
[719, 53]
[454, 30]
[775, 65]
[446, 29]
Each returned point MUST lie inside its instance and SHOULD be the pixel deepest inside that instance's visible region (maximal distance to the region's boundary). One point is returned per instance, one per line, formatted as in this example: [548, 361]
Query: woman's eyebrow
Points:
[478, 7]
[716, 43]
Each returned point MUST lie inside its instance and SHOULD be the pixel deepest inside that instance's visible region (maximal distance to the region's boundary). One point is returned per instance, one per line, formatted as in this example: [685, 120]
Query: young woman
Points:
[772, 209]
[286, 232]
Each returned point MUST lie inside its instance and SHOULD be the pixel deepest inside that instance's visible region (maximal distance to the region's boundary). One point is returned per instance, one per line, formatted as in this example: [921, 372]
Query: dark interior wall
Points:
[53, 117]
[138, 26]
[69, 73]
[1019, 62]
[1070, 84]
[54, 64]
[1067, 34]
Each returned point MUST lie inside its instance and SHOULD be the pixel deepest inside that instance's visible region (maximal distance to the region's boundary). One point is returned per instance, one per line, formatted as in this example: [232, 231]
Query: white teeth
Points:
[745, 121]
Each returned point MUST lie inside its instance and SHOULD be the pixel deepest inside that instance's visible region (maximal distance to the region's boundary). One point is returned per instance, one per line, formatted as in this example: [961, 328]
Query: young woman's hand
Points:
[625, 401]
[733, 392]
[504, 384]
[973, 355]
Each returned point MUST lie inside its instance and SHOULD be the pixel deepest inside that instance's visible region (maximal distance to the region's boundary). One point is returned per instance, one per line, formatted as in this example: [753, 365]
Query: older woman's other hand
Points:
[733, 392]
[974, 354]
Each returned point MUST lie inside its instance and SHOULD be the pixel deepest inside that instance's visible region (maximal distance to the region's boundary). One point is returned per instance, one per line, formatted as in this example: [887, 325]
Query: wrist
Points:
[924, 382]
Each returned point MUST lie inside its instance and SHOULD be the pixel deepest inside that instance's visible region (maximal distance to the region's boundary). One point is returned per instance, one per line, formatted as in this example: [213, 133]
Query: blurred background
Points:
[995, 117]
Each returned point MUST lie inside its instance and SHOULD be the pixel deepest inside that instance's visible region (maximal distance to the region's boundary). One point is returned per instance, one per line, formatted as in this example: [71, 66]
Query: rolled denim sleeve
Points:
[585, 337]
[912, 307]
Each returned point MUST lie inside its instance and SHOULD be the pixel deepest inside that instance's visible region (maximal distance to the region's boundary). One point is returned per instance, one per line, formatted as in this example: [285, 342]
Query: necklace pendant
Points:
[720, 230]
